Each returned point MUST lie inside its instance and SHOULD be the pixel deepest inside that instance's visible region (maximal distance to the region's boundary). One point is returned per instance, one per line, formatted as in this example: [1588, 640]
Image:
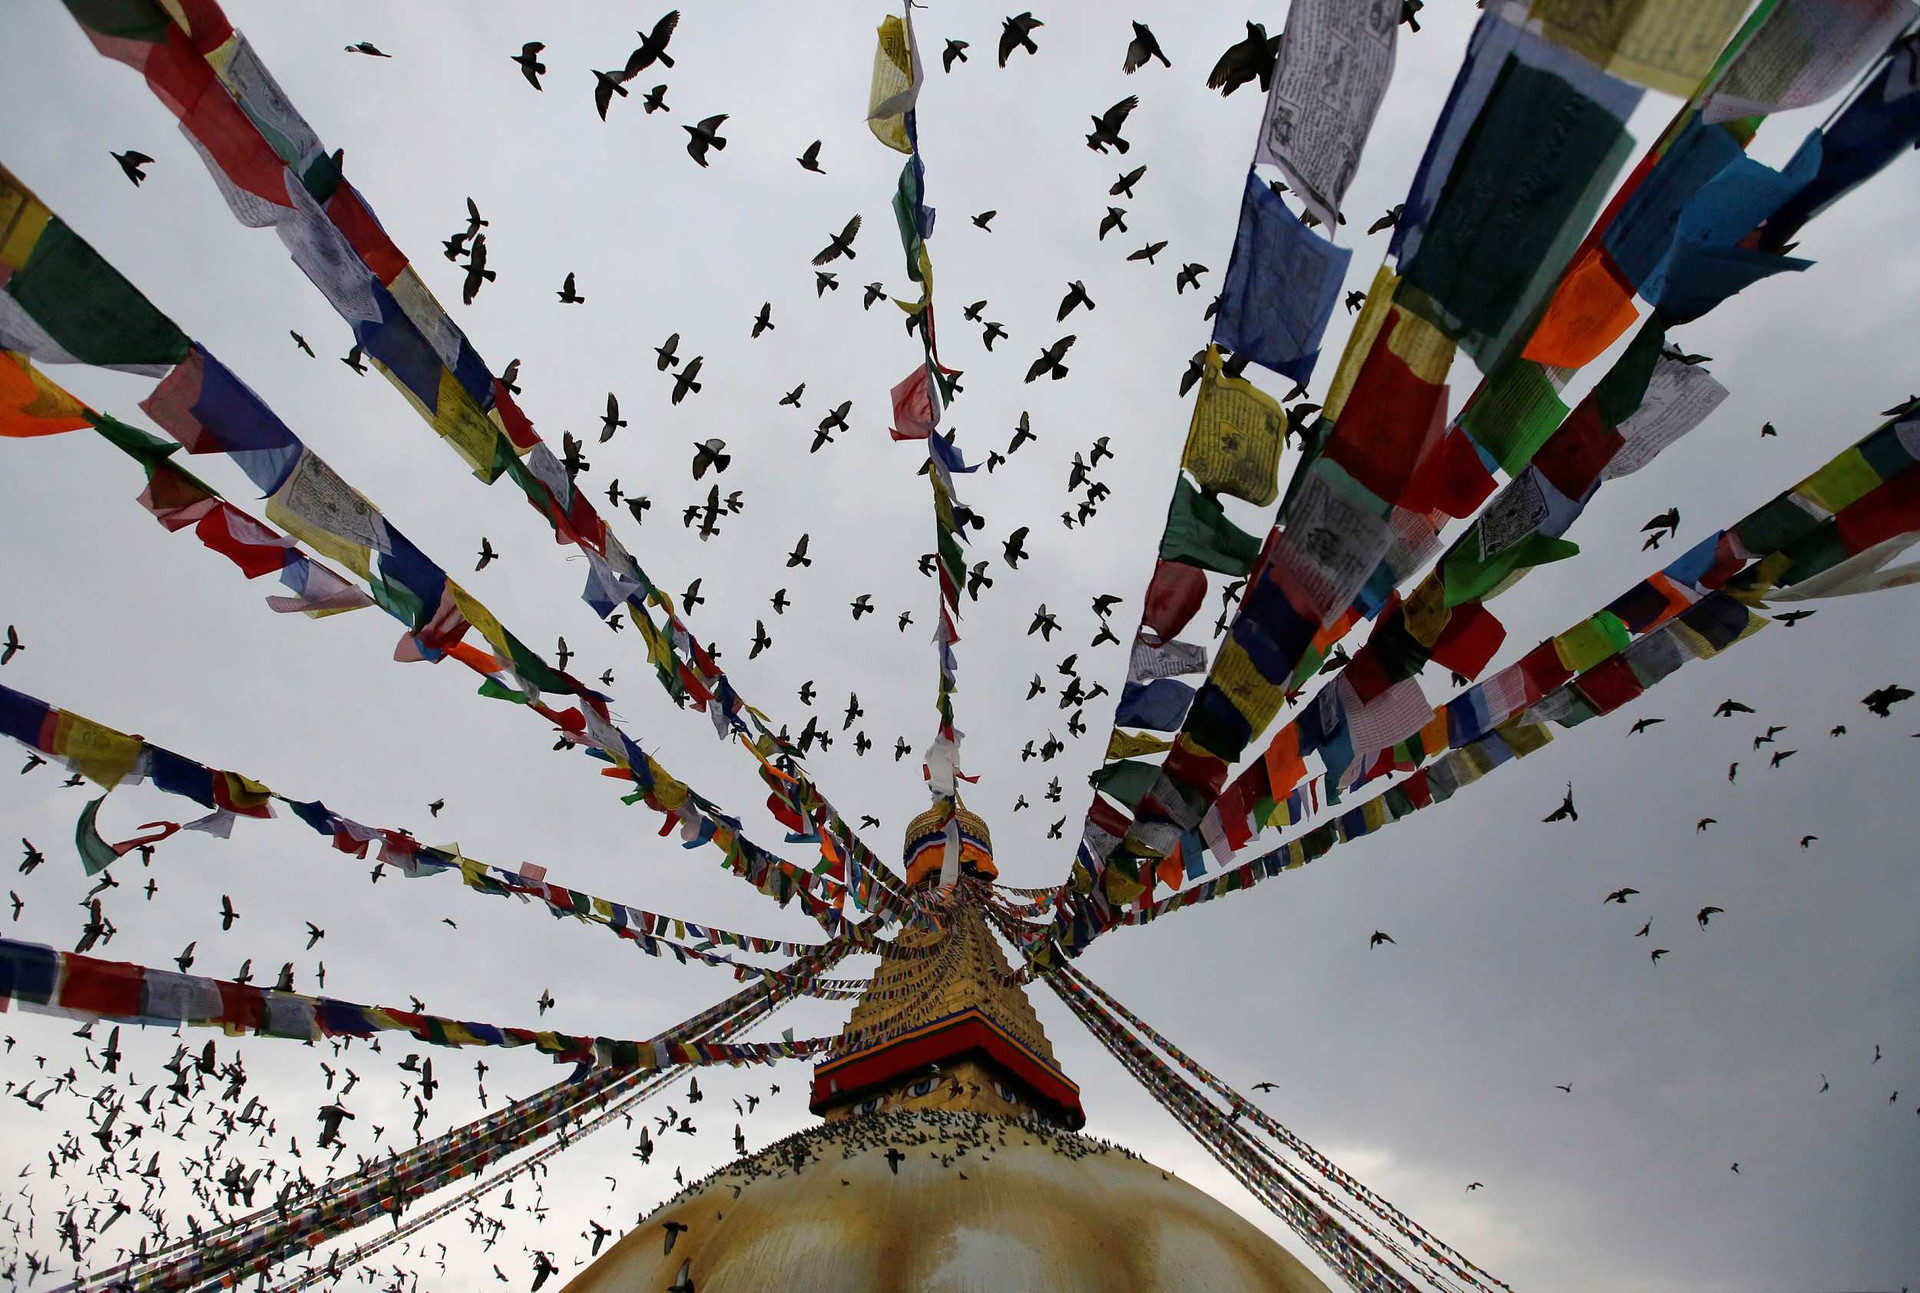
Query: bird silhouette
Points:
[810, 159]
[1017, 33]
[839, 244]
[688, 380]
[610, 421]
[1566, 811]
[1050, 364]
[653, 46]
[704, 136]
[1379, 936]
[568, 293]
[1076, 296]
[1142, 49]
[530, 65]
[130, 163]
[1107, 126]
[1244, 60]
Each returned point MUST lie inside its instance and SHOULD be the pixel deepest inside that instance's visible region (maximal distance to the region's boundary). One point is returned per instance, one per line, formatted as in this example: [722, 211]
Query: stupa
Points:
[948, 1157]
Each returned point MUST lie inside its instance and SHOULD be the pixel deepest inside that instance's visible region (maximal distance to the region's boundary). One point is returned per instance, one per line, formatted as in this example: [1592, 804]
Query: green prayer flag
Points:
[1469, 577]
[86, 306]
[95, 853]
[1199, 534]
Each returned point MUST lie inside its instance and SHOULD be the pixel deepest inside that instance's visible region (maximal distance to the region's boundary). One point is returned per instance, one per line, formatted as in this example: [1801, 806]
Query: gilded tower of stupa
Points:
[948, 1157]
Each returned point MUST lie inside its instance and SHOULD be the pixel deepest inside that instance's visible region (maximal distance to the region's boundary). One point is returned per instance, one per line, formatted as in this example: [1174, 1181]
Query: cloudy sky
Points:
[1421, 1066]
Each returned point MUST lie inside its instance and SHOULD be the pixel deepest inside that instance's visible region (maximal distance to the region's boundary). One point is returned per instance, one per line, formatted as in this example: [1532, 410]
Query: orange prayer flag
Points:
[473, 657]
[30, 405]
[1285, 767]
[1591, 310]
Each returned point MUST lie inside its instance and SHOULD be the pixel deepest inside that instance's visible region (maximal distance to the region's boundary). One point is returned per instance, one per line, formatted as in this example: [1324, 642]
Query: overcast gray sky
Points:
[1420, 1067]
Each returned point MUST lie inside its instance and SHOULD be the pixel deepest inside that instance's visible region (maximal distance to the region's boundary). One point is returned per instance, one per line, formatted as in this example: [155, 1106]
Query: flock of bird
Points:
[203, 1102]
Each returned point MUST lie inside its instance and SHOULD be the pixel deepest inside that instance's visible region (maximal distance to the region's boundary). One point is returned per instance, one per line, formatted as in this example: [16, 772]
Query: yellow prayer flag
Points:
[1131, 745]
[668, 791]
[96, 752]
[1421, 346]
[1524, 738]
[1235, 675]
[893, 88]
[313, 494]
[23, 218]
[1234, 439]
[1583, 646]
[1846, 479]
[1665, 45]
[1360, 341]
[482, 619]
[1425, 610]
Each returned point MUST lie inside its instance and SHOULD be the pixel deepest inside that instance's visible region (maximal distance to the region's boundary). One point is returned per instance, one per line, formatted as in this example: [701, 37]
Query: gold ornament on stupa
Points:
[948, 1158]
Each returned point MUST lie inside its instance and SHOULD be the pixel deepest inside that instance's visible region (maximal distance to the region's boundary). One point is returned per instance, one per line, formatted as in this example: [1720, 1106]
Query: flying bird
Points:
[655, 100]
[1245, 60]
[1014, 549]
[1142, 49]
[529, 60]
[712, 454]
[1387, 221]
[1076, 295]
[605, 86]
[1116, 218]
[839, 244]
[665, 356]
[984, 219]
[610, 421]
[353, 360]
[1620, 896]
[653, 46]
[1379, 936]
[1050, 363]
[810, 159]
[1566, 811]
[130, 162]
[13, 647]
[368, 48]
[955, 52]
[1705, 913]
[1123, 186]
[487, 554]
[301, 342]
[1017, 33]
[688, 379]
[1189, 276]
[1882, 699]
[704, 136]
[1641, 725]
[1729, 707]
[1107, 126]
[568, 293]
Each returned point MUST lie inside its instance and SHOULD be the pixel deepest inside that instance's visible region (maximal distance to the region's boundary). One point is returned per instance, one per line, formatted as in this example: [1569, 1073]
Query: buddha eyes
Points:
[1001, 1090]
[923, 1087]
[869, 1106]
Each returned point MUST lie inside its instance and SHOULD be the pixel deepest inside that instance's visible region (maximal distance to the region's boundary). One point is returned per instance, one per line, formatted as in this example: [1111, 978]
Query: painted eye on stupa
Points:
[870, 1106]
[923, 1087]
[1000, 1089]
